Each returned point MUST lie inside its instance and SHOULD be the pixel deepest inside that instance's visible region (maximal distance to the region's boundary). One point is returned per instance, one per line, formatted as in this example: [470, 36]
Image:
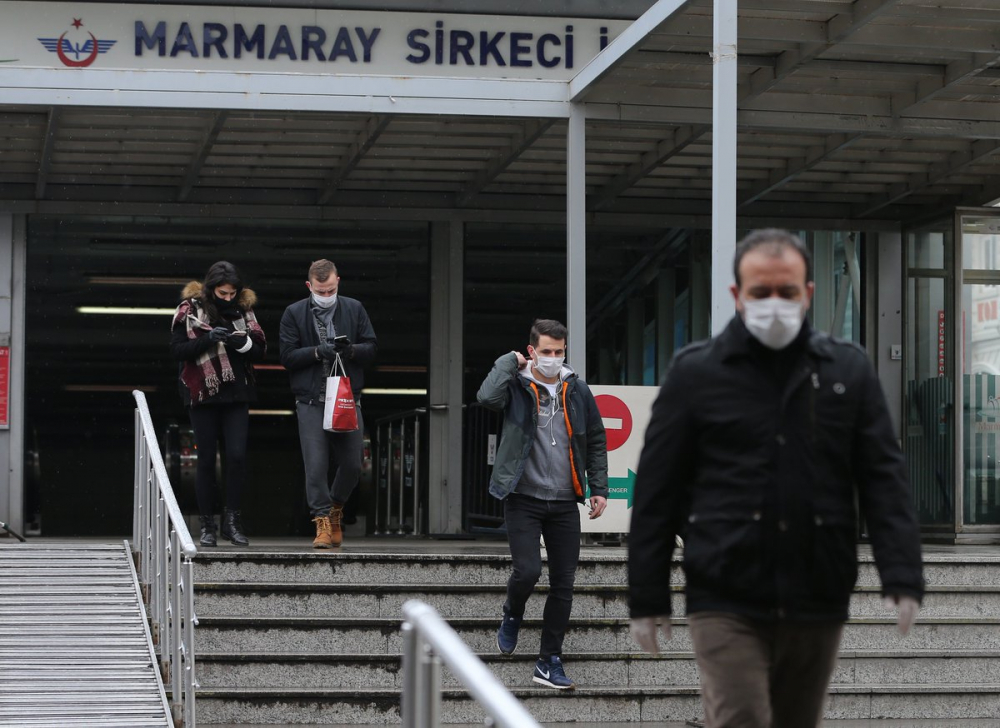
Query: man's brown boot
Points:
[324, 533]
[336, 518]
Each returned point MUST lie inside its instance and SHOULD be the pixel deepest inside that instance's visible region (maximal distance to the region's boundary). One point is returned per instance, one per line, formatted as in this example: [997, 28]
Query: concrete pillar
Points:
[724, 76]
[633, 355]
[702, 288]
[576, 239]
[13, 257]
[666, 295]
[889, 326]
[447, 366]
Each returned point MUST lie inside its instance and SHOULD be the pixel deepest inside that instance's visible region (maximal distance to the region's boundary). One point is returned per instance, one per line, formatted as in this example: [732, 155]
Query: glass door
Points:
[979, 502]
[928, 398]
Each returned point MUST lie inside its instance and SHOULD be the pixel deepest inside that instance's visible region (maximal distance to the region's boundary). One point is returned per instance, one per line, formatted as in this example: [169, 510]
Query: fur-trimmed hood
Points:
[247, 299]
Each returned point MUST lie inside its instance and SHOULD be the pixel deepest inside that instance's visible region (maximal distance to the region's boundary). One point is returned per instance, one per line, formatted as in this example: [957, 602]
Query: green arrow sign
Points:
[622, 487]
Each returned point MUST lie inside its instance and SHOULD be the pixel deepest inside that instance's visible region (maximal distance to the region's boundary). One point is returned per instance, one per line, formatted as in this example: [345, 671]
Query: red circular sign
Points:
[612, 408]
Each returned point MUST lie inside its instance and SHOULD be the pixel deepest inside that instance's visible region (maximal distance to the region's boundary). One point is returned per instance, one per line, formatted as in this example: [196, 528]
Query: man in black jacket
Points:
[759, 444]
[313, 332]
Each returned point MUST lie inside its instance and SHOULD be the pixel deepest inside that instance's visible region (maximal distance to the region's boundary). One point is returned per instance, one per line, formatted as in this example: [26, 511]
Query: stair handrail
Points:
[427, 642]
[164, 552]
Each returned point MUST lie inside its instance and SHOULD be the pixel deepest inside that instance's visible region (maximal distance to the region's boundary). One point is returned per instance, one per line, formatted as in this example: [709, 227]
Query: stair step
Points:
[485, 600]
[380, 636]
[607, 703]
[623, 668]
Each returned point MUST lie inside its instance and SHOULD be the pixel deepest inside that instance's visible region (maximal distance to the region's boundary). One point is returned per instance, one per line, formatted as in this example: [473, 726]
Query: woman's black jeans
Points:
[229, 422]
[559, 523]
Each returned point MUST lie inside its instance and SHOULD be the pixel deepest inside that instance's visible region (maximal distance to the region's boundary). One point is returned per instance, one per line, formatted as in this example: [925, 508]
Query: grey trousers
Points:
[317, 444]
[760, 674]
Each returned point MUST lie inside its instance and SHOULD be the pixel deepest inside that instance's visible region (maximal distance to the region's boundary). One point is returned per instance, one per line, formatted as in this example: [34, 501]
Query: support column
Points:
[635, 331]
[825, 299]
[702, 290]
[889, 331]
[666, 295]
[13, 256]
[447, 378]
[724, 71]
[576, 239]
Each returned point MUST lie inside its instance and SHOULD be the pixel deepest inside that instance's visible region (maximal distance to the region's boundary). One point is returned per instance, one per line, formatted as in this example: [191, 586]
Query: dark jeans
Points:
[317, 445]
[559, 522]
[761, 674]
[229, 422]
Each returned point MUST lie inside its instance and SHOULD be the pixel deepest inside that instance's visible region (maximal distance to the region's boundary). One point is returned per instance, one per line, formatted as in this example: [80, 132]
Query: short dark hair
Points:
[547, 327]
[321, 269]
[776, 241]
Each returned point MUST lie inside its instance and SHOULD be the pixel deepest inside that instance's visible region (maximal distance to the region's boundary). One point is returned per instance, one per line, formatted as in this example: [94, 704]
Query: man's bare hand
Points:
[597, 505]
[521, 361]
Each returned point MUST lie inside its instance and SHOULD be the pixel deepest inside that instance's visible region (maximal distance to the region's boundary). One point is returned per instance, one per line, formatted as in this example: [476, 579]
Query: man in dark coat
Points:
[313, 333]
[759, 444]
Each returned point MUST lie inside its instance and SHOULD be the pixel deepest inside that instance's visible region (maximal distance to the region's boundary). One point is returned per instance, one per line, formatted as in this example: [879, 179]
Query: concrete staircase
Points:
[313, 638]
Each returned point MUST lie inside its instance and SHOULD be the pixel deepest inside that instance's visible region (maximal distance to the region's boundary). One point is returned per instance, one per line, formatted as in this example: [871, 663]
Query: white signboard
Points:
[625, 411]
[289, 40]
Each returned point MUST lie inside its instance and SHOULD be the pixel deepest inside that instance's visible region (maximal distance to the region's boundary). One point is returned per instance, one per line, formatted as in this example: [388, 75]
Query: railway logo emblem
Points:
[76, 54]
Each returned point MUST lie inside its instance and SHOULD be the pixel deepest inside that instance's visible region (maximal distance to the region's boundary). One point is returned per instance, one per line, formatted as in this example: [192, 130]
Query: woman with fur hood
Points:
[216, 338]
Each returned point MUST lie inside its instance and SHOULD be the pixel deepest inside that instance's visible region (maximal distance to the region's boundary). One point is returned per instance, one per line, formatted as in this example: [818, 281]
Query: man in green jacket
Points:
[552, 448]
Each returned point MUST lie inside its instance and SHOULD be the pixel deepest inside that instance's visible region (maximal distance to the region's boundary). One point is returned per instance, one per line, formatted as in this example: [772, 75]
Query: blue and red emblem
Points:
[83, 54]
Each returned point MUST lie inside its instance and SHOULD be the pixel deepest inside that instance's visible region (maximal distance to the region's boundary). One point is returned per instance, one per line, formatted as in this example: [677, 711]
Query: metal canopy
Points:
[853, 113]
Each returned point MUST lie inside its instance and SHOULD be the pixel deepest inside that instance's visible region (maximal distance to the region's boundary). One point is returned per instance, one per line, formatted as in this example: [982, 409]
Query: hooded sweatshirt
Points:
[547, 471]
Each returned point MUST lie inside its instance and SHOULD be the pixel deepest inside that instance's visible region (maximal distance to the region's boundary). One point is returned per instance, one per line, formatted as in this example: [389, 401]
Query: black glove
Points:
[342, 344]
[237, 341]
[219, 333]
[327, 351]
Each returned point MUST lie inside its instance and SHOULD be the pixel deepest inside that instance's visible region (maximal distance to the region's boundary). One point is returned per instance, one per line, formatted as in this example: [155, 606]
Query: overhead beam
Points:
[605, 61]
[355, 153]
[212, 130]
[656, 155]
[794, 167]
[527, 135]
[45, 158]
[837, 29]
[956, 162]
[954, 73]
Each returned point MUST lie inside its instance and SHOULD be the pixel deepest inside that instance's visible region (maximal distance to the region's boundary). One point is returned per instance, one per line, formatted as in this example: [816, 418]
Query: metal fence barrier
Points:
[482, 512]
[163, 551]
[427, 642]
[399, 473]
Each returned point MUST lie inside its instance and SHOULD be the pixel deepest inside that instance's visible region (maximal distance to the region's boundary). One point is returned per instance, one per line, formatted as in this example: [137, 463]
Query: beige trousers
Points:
[761, 674]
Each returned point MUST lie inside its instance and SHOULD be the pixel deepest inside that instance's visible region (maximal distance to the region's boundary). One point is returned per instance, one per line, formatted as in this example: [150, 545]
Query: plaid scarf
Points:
[202, 376]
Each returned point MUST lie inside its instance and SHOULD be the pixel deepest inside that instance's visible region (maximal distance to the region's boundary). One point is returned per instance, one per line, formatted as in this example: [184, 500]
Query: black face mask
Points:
[224, 306]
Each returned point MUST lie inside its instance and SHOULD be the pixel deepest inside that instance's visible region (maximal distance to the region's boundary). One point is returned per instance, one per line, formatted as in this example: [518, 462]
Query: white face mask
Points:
[774, 322]
[324, 301]
[549, 366]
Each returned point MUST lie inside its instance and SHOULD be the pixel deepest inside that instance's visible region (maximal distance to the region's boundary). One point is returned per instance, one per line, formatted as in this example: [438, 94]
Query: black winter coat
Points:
[299, 339]
[760, 474]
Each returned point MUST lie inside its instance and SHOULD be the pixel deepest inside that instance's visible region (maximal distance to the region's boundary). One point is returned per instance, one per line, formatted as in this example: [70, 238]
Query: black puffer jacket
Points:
[759, 473]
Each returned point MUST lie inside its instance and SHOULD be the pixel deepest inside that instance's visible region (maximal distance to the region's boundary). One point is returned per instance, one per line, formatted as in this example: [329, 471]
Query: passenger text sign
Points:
[4, 387]
[625, 412]
[288, 40]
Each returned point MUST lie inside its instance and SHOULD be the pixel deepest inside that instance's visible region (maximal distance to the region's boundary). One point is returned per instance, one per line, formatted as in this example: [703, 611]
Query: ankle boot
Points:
[336, 518]
[232, 528]
[207, 531]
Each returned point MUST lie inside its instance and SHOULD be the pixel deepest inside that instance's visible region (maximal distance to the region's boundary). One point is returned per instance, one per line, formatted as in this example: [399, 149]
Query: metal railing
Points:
[398, 473]
[163, 550]
[481, 435]
[427, 642]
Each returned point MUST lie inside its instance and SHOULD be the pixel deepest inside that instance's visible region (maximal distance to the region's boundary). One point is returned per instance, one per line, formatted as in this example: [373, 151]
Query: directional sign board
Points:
[625, 412]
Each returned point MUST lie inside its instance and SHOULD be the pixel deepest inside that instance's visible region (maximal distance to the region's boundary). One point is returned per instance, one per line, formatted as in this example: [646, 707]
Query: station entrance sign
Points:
[625, 412]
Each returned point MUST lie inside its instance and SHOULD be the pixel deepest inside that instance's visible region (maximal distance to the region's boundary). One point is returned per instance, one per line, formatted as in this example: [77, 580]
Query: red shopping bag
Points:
[339, 413]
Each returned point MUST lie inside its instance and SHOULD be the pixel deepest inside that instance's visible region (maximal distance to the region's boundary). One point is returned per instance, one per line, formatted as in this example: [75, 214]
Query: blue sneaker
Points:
[550, 673]
[507, 634]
